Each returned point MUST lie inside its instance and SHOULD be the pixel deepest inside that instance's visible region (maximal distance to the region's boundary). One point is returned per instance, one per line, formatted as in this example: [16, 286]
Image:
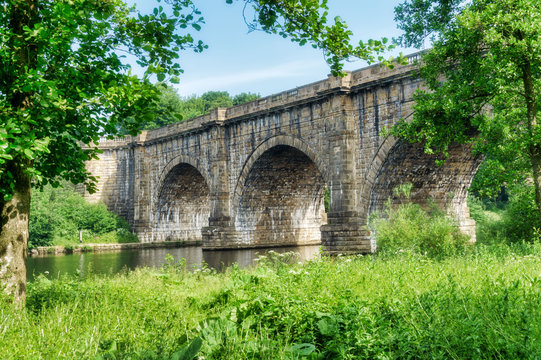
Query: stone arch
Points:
[267, 145]
[177, 160]
[279, 196]
[182, 203]
[398, 162]
[375, 165]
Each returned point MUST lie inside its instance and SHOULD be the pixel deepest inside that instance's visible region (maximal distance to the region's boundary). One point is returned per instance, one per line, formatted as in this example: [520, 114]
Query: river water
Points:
[110, 263]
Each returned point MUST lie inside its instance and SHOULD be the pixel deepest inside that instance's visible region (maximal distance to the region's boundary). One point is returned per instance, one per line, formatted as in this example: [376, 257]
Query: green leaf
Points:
[303, 349]
[188, 352]
[328, 326]
[29, 153]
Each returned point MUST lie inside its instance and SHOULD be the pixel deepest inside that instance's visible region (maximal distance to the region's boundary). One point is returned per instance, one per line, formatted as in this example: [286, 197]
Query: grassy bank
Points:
[486, 304]
[83, 248]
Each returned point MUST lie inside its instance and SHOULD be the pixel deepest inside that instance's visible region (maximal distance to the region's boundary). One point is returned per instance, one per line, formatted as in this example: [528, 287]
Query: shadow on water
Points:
[110, 263]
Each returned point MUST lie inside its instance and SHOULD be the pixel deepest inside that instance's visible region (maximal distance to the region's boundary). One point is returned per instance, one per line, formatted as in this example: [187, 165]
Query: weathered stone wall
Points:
[175, 196]
[282, 200]
[115, 170]
[254, 174]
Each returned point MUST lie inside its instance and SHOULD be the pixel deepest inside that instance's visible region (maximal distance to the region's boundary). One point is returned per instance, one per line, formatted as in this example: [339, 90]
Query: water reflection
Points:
[110, 263]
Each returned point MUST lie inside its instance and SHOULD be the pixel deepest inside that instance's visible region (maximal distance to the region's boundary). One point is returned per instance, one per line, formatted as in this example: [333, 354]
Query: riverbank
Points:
[80, 248]
[486, 304]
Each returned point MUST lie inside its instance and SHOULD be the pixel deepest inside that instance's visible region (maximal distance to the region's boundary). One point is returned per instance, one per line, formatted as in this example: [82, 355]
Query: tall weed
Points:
[409, 227]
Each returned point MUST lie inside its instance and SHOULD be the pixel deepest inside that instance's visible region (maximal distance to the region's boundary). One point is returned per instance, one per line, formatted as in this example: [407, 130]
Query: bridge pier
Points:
[345, 233]
[220, 234]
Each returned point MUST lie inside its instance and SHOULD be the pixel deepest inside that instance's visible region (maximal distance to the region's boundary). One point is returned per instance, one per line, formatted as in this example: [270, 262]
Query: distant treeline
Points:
[172, 108]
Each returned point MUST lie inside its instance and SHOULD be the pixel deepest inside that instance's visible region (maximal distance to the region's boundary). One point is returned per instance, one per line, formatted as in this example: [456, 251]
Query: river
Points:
[110, 263]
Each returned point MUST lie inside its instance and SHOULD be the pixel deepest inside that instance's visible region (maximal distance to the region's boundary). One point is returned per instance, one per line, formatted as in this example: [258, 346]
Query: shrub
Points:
[116, 236]
[489, 226]
[409, 227]
[69, 249]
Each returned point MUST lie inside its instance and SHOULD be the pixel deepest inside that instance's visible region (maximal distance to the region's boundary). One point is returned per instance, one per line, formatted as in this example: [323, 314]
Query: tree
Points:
[64, 81]
[244, 98]
[482, 80]
[171, 108]
[214, 99]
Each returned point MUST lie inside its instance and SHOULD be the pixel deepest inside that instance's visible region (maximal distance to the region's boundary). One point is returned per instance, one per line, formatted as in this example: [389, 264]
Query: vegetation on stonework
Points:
[486, 304]
[482, 78]
[58, 214]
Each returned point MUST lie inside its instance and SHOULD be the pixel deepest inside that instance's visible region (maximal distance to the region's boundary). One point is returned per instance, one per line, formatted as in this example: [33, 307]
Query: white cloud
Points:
[289, 75]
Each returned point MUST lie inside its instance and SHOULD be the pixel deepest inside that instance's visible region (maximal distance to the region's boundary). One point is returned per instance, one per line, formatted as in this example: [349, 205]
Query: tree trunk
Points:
[14, 236]
[14, 213]
[531, 115]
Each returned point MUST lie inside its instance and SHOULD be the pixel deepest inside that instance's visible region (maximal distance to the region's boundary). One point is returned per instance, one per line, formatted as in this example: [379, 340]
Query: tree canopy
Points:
[482, 79]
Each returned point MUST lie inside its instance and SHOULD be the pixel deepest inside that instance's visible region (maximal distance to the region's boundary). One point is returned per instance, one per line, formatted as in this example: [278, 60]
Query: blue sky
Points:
[237, 61]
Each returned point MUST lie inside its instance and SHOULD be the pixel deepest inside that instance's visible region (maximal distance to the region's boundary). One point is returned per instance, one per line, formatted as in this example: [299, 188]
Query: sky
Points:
[238, 61]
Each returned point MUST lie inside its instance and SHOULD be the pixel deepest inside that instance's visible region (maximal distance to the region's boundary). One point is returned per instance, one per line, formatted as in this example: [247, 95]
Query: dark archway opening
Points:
[282, 201]
[183, 207]
[446, 186]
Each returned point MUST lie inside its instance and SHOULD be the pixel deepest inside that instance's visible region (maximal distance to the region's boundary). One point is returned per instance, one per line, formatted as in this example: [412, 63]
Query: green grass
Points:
[119, 236]
[486, 304]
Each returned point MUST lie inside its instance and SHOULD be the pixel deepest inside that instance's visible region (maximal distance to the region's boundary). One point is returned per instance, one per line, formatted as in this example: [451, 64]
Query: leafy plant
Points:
[188, 352]
[512, 221]
[520, 219]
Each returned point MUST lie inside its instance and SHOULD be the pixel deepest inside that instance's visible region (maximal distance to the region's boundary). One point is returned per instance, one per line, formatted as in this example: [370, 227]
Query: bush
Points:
[489, 226]
[520, 219]
[117, 236]
[408, 227]
[57, 215]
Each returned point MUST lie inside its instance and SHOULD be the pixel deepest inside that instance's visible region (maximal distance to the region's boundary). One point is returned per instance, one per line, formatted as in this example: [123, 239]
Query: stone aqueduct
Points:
[255, 175]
